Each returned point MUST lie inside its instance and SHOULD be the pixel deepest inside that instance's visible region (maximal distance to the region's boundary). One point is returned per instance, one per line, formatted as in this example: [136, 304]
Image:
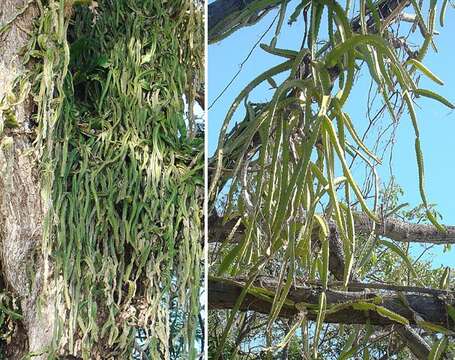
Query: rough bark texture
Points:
[419, 348]
[225, 292]
[403, 231]
[224, 16]
[391, 228]
[21, 210]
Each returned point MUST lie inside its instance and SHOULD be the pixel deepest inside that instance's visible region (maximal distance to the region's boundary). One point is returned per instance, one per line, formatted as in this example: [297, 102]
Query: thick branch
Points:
[359, 286]
[403, 231]
[219, 232]
[416, 344]
[223, 294]
[394, 229]
[391, 228]
[225, 16]
[200, 98]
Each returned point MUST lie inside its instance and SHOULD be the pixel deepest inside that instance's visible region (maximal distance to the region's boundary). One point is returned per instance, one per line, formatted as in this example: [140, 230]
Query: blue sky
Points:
[437, 123]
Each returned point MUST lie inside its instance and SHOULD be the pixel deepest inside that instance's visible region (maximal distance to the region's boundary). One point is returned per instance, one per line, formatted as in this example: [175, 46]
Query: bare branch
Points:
[225, 16]
[414, 342]
[391, 228]
[398, 230]
[357, 286]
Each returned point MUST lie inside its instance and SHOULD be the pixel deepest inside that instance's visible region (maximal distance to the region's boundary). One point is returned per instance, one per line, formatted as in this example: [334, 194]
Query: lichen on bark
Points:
[21, 211]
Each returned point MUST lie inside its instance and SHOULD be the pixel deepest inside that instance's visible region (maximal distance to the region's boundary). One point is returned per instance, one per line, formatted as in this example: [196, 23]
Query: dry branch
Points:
[224, 16]
[391, 228]
[416, 344]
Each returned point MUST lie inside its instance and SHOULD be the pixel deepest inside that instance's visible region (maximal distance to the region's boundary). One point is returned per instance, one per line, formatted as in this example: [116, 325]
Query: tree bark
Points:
[225, 292]
[21, 208]
[402, 231]
[224, 16]
[418, 346]
[391, 228]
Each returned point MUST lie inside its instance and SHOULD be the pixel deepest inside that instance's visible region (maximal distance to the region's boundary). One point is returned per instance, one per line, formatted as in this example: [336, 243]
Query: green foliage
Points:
[10, 314]
[280, 164]
[121, 171]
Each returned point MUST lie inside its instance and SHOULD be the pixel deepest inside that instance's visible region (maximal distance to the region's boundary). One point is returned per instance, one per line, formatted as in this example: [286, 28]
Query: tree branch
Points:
[358, 286]
[225, 16]
[219, 232]
[391, 228]
[223, 294]
[403, 231]
[416, 344]
[200, 97]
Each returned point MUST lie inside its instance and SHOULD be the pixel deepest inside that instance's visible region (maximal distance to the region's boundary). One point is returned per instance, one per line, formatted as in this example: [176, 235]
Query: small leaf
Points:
[323, 224]
[363, 305]
[286, 53]
[228, 260]
[320, 320]
[443, 12]
[433, 327]
[451, 312]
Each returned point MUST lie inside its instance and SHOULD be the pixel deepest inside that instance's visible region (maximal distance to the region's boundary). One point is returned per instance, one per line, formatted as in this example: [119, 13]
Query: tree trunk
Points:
[21, 208]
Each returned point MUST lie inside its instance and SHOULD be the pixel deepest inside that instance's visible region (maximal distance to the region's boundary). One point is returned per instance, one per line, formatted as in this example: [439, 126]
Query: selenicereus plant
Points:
[297, 223]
